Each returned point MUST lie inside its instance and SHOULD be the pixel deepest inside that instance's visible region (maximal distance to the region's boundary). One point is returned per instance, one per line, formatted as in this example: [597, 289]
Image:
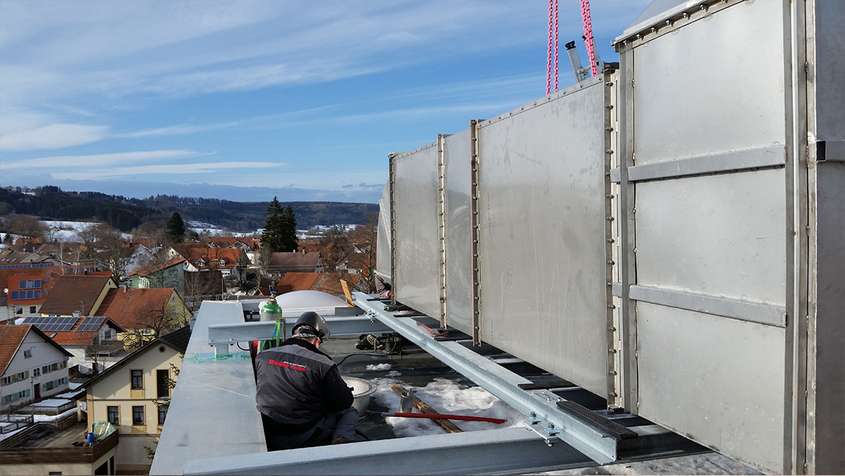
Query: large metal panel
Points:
[717, 82]
[417, 266]
[383, 235]
[458, 262]
[713, 91]
[719, 381]
[714, 234]
[542, 249]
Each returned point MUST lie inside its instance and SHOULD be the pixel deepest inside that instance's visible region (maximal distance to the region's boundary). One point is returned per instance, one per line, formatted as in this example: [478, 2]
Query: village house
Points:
[174, 274]
[92, 341]
[145, 313]
[134, 395]
[32, 366]
[250, 245]
[231, 262]
[79, 295]
[27, 290]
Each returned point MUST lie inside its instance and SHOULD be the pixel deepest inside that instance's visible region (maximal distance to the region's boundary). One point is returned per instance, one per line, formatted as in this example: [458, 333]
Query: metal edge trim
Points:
[576, 88]
[742, 310]
[441, 221]
[405, 155]
[669, 21]
[475, 230]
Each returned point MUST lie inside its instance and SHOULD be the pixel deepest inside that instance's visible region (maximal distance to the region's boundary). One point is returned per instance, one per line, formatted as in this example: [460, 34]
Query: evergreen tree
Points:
[275, 227]
[176, 228]
[290, 230]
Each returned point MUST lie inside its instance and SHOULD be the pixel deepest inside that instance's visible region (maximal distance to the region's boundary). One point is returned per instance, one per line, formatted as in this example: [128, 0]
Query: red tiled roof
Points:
[294, 261]
[148, 270]
[193, 253]
[45, 275]
[326, 282]
[295, 281]
[11, 338]
[136, 308]
[249, 241]
[71, 293]
[75, 337]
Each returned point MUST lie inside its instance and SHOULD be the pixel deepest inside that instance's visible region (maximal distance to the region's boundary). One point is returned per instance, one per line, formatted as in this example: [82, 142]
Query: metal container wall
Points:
[542, 224]
[383, 235]
[709, 236]
[417, 241]
[457, 215]
[825, 427]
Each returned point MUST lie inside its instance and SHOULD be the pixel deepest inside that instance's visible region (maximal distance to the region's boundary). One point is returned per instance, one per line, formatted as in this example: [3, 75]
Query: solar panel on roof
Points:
[92, 323]
[54, 324]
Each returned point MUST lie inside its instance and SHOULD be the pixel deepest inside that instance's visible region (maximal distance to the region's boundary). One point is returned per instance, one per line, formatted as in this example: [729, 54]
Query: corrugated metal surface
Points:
[458, 279]
[713, 91]
[383, 235]
[417, 267]
[542, 255]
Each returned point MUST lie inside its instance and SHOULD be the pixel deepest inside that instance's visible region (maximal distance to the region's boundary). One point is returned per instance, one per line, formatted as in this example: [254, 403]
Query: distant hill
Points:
[52, 203]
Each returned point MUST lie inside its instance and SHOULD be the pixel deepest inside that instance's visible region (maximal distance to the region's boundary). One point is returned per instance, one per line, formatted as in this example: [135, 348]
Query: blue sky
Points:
[246, 99]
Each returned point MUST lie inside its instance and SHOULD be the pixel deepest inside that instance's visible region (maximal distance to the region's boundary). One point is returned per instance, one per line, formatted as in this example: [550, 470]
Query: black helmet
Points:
[311, 323]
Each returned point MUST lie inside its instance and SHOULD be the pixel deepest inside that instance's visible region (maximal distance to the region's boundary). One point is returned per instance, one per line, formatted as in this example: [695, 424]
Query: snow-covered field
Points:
[207, 228]
[66, 231]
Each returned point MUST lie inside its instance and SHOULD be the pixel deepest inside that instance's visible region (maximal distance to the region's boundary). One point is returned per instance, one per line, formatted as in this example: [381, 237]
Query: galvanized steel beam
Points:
[513, 450]
[552, 422]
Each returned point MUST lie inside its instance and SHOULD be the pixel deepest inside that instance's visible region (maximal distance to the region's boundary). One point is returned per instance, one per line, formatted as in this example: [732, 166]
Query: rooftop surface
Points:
[199, 426]
[192, 441]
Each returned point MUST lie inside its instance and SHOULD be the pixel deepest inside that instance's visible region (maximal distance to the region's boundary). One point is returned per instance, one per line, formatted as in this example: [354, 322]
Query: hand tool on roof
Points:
[445, 416]
[408, 399]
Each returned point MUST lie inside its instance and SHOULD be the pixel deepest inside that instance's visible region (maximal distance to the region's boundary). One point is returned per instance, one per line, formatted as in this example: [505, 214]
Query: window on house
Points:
[137, 379]
[19, 310]
[113, 415]
[138, 415]
[162, 414]
[27, 353]
[32, 309]
[162, 383]
[36, 372]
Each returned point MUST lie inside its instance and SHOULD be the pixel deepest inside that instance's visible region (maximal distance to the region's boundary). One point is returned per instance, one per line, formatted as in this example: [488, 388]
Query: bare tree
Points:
[154, 323]
[107, 246]
[364, 239]
[335, 248]
[27, 225]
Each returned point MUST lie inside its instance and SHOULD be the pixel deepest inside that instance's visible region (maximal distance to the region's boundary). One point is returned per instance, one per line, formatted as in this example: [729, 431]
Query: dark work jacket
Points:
[297, 385]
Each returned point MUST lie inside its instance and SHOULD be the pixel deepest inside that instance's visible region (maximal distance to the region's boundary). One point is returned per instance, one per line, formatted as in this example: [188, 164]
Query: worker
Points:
[301, 396]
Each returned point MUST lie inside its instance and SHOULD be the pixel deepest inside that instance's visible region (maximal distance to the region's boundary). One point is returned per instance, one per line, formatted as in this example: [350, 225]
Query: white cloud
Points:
[164, 169]
[99, 160]
[51, 136]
